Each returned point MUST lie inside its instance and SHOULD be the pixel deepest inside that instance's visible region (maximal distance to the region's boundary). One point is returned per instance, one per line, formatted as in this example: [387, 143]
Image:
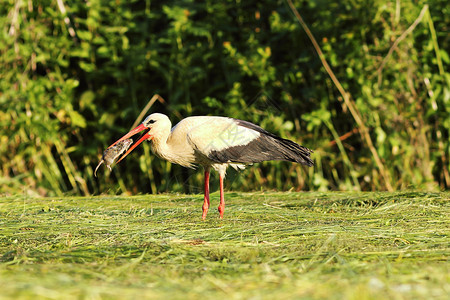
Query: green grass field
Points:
[314, 245]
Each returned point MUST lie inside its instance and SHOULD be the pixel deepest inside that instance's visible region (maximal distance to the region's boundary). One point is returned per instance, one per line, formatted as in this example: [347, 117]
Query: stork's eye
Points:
[151, 121]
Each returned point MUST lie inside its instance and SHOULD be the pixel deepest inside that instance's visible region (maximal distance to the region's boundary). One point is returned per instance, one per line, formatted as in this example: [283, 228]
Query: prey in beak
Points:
[110, 154]
[123, 144]
[145, 136]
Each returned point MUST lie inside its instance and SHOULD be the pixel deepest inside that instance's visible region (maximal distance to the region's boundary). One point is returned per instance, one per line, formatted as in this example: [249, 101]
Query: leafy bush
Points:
[76, 75]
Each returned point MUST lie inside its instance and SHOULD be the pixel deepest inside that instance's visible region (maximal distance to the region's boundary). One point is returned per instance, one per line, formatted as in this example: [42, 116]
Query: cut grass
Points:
[269, 246]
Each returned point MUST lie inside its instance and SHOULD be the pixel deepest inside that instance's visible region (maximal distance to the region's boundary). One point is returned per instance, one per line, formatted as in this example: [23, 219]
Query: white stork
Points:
[215, 142]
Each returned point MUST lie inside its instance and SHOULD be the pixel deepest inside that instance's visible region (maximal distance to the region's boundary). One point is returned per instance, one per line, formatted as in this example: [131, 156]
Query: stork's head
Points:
[154, 127]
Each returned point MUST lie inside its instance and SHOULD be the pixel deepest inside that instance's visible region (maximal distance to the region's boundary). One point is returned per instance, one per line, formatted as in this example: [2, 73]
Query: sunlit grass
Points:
[269, 246]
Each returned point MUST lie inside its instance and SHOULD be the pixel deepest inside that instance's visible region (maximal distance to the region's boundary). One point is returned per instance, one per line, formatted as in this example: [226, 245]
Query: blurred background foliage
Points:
[76, 74]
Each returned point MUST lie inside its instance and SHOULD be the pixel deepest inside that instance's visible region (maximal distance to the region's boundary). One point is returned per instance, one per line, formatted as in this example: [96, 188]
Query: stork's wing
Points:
[218, 135]
[226, 140]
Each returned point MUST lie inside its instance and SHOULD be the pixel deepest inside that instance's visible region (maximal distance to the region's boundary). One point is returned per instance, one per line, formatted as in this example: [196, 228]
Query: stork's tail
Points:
[295, 152]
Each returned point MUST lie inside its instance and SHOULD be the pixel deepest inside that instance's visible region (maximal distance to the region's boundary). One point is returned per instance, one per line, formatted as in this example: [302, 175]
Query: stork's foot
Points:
[205, 208]
[221, 210]
[205, 212]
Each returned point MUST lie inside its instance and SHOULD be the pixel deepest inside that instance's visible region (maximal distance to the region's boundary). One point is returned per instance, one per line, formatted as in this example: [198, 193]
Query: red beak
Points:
[130, 134]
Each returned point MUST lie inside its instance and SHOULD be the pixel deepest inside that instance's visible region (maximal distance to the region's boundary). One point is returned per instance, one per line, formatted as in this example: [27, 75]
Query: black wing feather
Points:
[266, 147]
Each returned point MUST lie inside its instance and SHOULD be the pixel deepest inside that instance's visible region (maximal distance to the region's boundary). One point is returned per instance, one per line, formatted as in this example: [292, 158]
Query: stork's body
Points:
[215, 142]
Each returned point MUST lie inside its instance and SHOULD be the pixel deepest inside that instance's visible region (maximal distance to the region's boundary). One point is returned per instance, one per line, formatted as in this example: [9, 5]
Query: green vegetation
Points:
[269, 246]
[76, 74]
[365, 84]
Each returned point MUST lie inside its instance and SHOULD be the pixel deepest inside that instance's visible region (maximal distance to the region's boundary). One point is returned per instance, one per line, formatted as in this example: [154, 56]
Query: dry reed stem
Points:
[146, 108]
[347, 100]
[62, 9]
[398, 40]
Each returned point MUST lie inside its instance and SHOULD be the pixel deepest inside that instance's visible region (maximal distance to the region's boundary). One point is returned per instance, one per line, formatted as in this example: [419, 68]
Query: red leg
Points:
[206, 200]
[221, 207]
